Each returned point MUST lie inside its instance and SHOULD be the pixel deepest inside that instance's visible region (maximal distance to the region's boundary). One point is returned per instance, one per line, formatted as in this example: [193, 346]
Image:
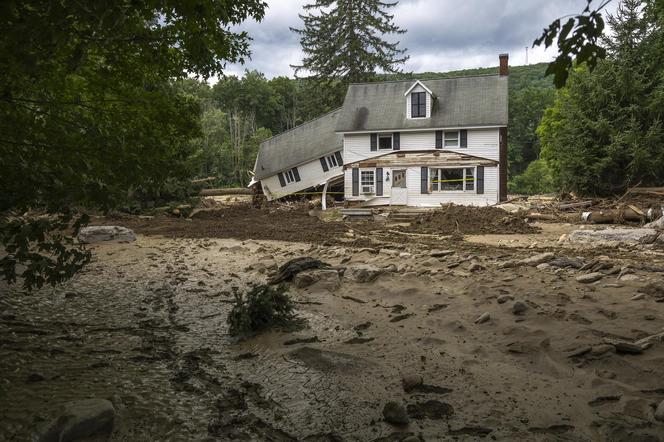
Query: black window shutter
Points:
[424, 180]
[479, 179]
[340, 161]
[396, 141]
[379, 181]
[464, 138]
[282, 181]
[323, 163]
[356, 181]
[374, 141]
[439, 139]
[297, 175]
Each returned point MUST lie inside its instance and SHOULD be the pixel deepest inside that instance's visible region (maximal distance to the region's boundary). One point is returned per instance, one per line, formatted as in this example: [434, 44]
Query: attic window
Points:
[418, 104]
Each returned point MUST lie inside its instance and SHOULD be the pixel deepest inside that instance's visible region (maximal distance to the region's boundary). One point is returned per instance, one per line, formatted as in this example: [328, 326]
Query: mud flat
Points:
[557, 355]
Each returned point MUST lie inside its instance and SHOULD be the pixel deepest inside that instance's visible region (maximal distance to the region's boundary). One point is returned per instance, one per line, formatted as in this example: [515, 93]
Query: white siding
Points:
[482, 143]
[433, 199]
[311, 174]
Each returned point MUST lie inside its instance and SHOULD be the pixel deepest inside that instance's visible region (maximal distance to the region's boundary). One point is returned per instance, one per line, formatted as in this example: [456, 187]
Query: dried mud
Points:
[144, 326]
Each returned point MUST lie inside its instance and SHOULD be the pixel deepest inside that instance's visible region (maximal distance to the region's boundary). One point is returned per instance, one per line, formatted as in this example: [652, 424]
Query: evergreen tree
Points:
[343, 40]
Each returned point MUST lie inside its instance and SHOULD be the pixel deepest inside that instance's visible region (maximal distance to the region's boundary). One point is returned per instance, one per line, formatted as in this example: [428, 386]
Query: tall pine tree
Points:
[344, 40]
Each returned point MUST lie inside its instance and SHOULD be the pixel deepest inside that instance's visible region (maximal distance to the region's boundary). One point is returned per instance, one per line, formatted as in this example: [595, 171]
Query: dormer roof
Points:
[419, 83]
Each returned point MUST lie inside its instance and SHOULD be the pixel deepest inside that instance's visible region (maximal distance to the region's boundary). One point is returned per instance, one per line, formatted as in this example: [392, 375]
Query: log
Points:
[611, 216]
[203, 180]
[226, 191]
[576, 205]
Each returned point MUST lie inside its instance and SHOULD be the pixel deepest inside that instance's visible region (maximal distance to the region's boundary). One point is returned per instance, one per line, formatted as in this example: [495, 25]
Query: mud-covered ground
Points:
[144, 326]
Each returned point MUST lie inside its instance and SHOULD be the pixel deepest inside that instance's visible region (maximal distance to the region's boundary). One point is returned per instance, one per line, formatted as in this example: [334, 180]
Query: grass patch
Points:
[260, 308]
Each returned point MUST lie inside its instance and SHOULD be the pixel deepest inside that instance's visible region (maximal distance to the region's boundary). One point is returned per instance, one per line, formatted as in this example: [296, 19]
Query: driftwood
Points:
[577, 205]
[226, 191]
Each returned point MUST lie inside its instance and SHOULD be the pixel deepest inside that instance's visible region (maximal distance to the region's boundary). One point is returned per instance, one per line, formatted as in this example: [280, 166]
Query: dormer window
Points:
[418, 104]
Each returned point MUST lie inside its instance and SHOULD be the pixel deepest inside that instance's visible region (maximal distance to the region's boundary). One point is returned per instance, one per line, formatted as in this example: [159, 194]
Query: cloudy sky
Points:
[442, 35]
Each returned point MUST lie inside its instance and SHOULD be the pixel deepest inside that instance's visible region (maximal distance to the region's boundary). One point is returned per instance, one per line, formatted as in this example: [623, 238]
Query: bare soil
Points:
[145, 326]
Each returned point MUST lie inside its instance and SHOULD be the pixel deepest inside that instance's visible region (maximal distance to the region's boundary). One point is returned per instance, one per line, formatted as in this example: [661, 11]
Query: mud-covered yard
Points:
[474, 341]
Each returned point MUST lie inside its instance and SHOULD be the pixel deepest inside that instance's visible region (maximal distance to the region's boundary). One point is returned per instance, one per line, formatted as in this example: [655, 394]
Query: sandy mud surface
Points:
[144, 326]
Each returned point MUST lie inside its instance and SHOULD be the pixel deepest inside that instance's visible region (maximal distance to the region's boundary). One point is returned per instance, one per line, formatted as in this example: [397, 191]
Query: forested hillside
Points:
[238, 113]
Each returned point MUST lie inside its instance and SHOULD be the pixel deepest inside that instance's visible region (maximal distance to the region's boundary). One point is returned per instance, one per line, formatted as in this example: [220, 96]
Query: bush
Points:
[261, 308]
[537, 179]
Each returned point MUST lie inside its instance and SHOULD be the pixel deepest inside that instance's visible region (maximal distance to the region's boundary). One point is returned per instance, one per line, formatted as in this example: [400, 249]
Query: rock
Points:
[564, 262]
[93, 234]
[475, 267]
[519, 307]
[657, 224]
[364, 272]
[327, 277]
[440, 253]
[502, 299]
[81, 419]
[395, 414]
[589, 277]
[508, 264]
[655, 289]
[35, 377]
[411, 381]
[599, 350]
[579, 351]
[543, 266]
[635, 236]
[431, 262]
[630, 277]
[388, 252]
[659, 411]
[625, 347]
[637, 297]
[538, 259]
[405, 255]
[484, 317]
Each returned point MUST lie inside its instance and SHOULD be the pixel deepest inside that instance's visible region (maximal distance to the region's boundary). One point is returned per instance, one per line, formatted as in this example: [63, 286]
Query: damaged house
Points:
[401, 143]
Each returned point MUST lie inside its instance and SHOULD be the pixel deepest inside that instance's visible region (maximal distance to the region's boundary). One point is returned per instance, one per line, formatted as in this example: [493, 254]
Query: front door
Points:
[399, 193]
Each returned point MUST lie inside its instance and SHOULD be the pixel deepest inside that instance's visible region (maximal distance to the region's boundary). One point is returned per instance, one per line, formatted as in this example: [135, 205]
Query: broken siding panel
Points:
[310, 175]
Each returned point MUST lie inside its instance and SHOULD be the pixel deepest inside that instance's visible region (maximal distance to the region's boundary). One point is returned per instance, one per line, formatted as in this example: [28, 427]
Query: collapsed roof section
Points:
[302, 144]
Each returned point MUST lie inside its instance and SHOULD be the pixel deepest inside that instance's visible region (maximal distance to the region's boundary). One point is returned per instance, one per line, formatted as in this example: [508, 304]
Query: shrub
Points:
[260, 308]
[537, 179]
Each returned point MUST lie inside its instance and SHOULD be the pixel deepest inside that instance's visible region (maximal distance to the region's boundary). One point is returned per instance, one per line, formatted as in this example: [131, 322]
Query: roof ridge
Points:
[301, 124]
[426, 79]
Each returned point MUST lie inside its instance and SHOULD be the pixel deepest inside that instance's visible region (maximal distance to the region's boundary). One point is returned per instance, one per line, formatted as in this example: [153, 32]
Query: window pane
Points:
[434, 179]
[451, 179]
[452, 139]
[385, 142]
[470, 178]
[332, 161]
[367, 178]
[418, 102]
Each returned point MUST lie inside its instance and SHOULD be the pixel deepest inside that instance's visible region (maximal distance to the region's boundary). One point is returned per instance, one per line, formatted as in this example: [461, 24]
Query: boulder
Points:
[440, 253]
[93, 234]
[538, 259]
[411, 381]
[364, 272]
[634, 236]
[81, 419]
[502, 299]
[659, 412]
[327, 277]
[589, 277]
[484, 317]
[394, 413]
[519, 307]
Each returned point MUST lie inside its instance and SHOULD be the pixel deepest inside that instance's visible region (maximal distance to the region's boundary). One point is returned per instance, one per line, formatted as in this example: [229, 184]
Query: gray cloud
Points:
[441, 34]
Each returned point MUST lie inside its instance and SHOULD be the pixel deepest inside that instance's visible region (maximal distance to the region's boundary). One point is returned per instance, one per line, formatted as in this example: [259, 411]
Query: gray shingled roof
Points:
[462, 101]
[301, 144]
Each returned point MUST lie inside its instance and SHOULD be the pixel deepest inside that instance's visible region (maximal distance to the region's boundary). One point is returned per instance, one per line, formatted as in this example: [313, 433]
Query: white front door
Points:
[399, 192]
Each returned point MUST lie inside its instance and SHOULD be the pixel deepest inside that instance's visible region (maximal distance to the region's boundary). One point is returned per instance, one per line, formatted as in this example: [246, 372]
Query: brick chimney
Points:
[504, 64]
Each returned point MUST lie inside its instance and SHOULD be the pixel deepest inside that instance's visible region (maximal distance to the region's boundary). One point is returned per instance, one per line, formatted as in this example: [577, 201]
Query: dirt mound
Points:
[471, 220]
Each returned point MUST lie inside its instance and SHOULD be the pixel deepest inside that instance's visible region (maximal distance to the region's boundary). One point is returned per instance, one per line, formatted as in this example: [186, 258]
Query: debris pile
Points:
[452, 218]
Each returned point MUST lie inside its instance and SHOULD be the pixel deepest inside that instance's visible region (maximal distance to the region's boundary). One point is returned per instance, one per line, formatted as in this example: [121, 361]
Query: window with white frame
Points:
[452, 179]
[385, 141]
[289, 176]
[367, 181]
[418, 105]
[331, 161]
[452, 138]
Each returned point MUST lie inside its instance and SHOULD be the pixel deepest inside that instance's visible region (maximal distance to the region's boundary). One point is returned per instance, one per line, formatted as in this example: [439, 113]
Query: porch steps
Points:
[357, 214]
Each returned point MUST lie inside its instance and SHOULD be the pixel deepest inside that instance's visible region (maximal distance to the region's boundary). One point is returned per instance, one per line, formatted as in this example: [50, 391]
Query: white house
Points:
[405, 143]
